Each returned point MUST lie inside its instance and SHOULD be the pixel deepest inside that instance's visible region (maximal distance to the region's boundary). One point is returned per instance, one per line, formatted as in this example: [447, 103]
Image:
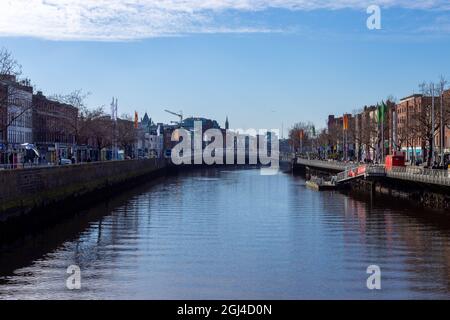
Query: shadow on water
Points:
[440, 219]
[20, 252]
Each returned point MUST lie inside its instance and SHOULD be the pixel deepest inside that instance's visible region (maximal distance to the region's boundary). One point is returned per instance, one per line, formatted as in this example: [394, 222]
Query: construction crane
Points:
[180, 115]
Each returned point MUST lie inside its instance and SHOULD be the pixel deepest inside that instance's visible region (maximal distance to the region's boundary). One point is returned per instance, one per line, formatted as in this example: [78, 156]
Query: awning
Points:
[30, 146]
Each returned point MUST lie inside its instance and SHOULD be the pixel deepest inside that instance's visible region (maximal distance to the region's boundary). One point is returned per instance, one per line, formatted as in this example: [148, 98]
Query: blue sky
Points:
[261, 63]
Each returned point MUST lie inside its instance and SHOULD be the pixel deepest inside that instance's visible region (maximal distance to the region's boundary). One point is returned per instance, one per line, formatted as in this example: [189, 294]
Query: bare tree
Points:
[323, 141]
[127, 134]
[77, 99]
[95, 128]
[299, 135]
[443, 117]
[423, 126]
[8, 64]
[368, 131]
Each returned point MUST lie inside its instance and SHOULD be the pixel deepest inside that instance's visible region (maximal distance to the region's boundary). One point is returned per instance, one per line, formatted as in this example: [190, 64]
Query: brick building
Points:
[410, 129]
[54, 128]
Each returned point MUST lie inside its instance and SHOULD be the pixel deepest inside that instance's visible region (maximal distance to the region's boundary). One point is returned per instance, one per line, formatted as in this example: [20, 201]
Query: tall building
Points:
[16, 116]
[150, 138]
[54, 128]
[412, 118]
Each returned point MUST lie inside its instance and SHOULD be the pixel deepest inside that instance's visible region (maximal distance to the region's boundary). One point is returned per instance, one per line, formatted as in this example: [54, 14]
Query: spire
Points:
[227, 124]
[146, 119]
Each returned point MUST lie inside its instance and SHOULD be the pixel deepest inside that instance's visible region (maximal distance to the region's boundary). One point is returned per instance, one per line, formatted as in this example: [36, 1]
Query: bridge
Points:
[320, 164]
[360, 171]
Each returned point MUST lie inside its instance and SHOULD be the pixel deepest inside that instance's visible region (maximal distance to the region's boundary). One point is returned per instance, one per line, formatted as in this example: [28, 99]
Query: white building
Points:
[19, 121]
[150, 138]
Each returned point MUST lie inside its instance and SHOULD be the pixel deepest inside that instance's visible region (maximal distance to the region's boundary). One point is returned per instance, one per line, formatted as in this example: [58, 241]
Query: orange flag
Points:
[345, 122]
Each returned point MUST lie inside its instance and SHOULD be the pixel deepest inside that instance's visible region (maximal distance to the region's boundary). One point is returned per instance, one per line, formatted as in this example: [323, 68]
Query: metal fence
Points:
[417, 174]
[23, 166]
[375, 170]
[349, 173]
[325, 164]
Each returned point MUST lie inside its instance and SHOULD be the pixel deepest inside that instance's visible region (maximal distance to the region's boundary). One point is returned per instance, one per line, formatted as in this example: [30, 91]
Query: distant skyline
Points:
[261, 63]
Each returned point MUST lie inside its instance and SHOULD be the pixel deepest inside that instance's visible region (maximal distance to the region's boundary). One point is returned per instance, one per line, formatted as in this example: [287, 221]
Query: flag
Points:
[382, 109]
[345, 122]
[136, 120]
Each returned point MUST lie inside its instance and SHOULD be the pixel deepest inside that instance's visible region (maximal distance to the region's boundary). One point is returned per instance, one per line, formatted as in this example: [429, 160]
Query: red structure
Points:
[397, 160]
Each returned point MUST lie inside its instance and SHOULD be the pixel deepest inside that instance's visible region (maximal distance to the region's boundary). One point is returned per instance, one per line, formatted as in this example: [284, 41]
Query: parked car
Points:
[64, 161]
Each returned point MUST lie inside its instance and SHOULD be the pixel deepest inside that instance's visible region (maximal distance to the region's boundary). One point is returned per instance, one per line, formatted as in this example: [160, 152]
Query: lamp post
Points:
[442, 125]
[432, 125]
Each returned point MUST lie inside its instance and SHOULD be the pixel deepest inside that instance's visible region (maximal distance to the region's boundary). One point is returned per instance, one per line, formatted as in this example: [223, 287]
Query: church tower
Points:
[227, 124]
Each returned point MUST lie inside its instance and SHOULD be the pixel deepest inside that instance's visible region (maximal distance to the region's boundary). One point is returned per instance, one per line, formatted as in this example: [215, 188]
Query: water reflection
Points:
[233, 234]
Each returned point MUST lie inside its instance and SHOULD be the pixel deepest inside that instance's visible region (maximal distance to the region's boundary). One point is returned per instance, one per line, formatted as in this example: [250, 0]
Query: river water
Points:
[233, 234]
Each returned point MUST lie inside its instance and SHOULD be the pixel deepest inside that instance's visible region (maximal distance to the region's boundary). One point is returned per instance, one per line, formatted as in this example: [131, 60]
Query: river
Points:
[233, 234]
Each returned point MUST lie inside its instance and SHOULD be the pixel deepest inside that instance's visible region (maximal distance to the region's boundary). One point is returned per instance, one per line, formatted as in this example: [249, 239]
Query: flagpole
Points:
[343, 138]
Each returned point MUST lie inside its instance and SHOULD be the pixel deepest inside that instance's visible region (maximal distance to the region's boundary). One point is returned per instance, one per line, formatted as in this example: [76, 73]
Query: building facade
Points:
[150, 138]
[413, 125]
[54, 128]
[16, 118]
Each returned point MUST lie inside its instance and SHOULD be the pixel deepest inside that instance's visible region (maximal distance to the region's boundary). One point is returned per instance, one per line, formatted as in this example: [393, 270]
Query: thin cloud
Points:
[115, 20]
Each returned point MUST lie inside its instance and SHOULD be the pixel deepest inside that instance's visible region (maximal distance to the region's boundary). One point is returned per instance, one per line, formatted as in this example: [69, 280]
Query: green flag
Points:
[383, 110]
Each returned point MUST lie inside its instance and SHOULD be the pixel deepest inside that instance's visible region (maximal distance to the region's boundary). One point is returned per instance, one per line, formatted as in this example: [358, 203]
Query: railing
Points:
[24, 166]
[287, 157]
[361, 171]
[332, 165]
[18, 166]
[375, 171]
[417, 174]
[349, 173]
